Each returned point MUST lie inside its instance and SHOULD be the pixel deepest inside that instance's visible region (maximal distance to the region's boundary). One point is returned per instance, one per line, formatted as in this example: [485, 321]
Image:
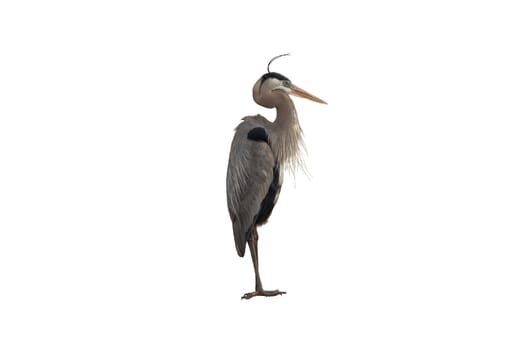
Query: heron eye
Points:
[287, 83]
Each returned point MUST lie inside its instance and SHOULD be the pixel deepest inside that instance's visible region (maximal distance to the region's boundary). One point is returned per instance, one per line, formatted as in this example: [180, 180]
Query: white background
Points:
[115, 125]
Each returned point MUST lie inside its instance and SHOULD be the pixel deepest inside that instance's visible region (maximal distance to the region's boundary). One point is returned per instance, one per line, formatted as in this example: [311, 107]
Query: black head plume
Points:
[275, 75]
[274, 58]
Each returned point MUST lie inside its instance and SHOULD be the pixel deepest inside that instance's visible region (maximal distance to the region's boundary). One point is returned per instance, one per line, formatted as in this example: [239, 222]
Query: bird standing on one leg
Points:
[260, 151]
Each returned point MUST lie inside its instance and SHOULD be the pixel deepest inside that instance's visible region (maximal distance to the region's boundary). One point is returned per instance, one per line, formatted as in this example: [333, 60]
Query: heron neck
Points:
[288, 134]
[286, 117]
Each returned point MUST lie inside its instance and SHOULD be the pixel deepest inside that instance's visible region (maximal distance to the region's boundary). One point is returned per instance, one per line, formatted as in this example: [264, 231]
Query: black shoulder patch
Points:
[258, 134]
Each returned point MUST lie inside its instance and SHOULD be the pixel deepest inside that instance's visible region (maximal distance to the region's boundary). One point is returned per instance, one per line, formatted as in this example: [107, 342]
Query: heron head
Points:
[267, 89]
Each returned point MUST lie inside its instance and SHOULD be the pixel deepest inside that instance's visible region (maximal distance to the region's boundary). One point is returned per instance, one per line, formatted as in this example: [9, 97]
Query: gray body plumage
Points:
[249, 177]
[253, 166]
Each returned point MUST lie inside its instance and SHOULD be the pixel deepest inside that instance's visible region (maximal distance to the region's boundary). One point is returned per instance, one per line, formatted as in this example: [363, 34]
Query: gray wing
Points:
[249, 177]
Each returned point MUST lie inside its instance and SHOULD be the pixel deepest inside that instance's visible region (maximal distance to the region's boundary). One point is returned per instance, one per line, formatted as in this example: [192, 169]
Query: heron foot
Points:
[263, 293]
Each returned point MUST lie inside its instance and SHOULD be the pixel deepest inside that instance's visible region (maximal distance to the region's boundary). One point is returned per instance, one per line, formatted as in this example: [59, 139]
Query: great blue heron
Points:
[260, 151]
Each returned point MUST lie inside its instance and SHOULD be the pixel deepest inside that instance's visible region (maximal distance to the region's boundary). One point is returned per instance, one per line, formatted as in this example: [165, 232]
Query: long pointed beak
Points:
[295, 90]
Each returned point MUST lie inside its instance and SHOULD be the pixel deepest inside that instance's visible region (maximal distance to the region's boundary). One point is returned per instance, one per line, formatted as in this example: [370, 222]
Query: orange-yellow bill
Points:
[295, 90]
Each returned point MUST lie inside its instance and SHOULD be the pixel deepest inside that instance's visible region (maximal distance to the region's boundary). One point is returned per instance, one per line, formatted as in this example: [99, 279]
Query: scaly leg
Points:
[259, 291]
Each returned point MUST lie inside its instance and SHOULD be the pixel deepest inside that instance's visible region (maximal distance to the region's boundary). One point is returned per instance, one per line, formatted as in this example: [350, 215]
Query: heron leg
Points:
[253, 246]
[259, 291]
